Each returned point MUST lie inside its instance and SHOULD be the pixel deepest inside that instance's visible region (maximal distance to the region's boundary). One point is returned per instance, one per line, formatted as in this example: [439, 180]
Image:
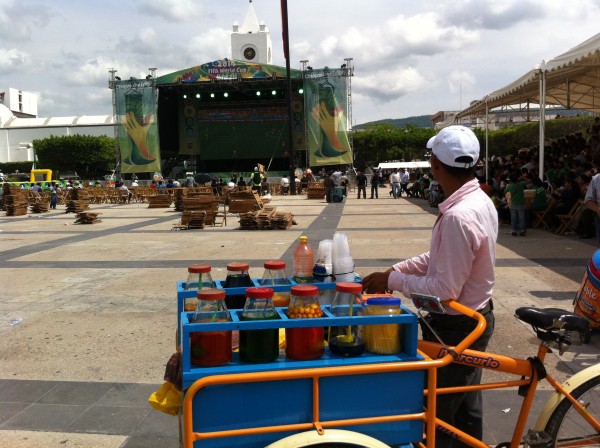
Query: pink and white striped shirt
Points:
[462, 254]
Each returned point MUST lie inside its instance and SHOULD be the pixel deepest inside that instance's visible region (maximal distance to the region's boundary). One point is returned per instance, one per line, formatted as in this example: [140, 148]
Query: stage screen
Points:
[234, 132]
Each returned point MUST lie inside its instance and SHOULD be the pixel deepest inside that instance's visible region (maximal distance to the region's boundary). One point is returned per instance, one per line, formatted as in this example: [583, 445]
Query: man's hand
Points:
[376, 283]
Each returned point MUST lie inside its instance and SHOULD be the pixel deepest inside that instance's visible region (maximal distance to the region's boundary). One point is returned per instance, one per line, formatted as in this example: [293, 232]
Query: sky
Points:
[410, 57]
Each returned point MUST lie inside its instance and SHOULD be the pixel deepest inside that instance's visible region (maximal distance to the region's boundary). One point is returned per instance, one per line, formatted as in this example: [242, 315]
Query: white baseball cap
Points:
[455, 146]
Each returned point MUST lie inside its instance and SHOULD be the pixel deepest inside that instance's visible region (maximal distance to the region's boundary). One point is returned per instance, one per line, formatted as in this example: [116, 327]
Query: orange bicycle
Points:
[570, 417]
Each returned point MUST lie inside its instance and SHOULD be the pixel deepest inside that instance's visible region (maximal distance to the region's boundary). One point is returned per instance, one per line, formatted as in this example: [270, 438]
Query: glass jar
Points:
[383, 339]
[211, 348]
[304, 343]
[237, 277]
[275, 275]
[259, 346]
[347, 340]
[198, 278]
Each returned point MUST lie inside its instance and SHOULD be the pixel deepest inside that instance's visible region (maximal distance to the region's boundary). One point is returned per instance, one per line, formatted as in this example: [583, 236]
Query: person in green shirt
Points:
[516, 189]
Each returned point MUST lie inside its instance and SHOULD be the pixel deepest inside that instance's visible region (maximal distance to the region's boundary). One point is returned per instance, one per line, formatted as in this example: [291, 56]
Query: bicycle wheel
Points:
[567, 427]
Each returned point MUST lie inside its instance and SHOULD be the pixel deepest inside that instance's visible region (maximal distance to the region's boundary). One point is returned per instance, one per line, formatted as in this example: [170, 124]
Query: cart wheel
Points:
[331, 438]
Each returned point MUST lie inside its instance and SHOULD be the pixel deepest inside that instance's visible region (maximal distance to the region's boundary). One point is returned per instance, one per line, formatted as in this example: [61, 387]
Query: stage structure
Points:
[328, 106]
[231, 115]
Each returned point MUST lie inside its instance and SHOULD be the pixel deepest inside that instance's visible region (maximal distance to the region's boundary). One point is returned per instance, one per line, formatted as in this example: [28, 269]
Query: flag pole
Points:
[286, 52]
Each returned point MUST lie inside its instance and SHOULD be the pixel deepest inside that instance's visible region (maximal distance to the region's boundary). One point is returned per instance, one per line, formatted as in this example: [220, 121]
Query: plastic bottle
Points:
[347, 340]
[211, 348]
[275, 275]
[199, 278]
[259, 346]
[304, 343]
[304, 261]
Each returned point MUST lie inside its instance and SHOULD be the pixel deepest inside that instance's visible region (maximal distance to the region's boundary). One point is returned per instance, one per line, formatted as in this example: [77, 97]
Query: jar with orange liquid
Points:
[275, 275]
[199, 278]
[210, 348]
[304, 343]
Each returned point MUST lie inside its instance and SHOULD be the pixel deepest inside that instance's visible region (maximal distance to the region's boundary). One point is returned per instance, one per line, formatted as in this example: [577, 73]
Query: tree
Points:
[90, 157]
[385, 142]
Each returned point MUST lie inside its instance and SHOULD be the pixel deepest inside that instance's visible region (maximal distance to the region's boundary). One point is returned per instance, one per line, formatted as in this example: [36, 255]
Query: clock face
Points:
[249, 53]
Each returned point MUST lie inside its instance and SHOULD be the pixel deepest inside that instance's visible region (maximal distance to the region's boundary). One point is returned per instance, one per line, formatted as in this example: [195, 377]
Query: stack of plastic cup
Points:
[323, 269]
[343, 263]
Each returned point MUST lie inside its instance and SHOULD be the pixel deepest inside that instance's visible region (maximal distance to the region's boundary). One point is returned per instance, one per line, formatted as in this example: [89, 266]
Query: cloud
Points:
[13, 60]
[388, 86]
[94, 72]
[18, 20]
[492, 15]
[399, 38]
[171, 10]
[459, 81]
[213, 44]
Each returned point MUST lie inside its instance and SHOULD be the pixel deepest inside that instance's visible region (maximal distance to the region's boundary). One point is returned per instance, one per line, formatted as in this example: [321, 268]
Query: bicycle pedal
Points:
[537, 439]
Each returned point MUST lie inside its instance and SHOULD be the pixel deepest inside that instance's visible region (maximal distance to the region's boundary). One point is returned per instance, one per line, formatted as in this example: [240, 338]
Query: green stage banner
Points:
[326, 106]
[137, 124]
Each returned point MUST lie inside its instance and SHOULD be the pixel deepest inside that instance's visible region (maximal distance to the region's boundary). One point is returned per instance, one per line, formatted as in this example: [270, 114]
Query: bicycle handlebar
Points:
[454, 353]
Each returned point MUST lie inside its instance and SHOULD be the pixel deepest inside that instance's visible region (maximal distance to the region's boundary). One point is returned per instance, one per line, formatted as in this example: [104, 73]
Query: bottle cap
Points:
[349, 287]
[274, 264]
[304, 290]
[199, 268]
[393, 301]
[303, 239]
[211, 294]
[238, 266]
[259, 293]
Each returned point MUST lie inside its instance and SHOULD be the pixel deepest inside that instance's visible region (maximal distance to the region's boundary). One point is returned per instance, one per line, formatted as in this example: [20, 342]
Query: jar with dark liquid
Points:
[347, 340]
[259, 346]
[210, 348]
[237, 276]
[304, 343]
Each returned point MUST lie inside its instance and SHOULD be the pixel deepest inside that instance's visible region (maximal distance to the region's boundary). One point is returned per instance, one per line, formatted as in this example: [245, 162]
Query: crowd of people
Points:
[569, 166]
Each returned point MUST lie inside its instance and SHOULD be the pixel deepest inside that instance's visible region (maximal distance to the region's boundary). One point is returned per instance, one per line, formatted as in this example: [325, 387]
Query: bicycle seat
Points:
[553, 319]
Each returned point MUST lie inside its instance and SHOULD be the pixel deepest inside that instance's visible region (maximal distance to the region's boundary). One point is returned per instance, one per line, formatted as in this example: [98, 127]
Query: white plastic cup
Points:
[339, 278]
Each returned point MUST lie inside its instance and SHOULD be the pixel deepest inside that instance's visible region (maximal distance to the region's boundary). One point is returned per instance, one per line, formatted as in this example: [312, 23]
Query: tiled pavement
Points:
[52, 399]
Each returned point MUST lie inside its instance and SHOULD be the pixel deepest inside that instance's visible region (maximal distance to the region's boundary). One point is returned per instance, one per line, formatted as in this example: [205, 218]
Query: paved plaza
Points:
[88, 312]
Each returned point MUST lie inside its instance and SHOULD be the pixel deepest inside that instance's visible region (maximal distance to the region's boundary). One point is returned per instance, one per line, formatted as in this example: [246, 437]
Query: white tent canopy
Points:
[571, 80]
[402, 165]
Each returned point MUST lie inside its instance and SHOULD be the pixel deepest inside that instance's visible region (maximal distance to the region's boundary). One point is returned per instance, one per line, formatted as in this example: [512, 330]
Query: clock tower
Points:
[251, 42]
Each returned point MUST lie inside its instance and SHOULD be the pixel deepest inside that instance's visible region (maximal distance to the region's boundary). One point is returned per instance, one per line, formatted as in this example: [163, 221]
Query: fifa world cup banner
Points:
[137, 124]
[326, 106]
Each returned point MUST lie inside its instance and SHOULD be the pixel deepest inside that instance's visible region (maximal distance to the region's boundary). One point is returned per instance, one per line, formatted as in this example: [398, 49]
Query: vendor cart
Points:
[371, 400]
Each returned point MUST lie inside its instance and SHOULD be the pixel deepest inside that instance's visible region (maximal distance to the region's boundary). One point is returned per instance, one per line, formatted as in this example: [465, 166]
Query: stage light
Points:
[273, 92]
[197, 95]
[258, 93]
[225, 94]
[300, 91]
[212, 95]
[184, 96]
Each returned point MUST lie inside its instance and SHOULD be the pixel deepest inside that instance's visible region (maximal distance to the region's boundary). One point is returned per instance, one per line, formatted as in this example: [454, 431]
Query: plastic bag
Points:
[167, 399]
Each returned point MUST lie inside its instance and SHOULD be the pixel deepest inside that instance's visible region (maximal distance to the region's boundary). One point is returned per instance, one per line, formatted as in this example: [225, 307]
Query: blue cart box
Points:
[277, 401]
